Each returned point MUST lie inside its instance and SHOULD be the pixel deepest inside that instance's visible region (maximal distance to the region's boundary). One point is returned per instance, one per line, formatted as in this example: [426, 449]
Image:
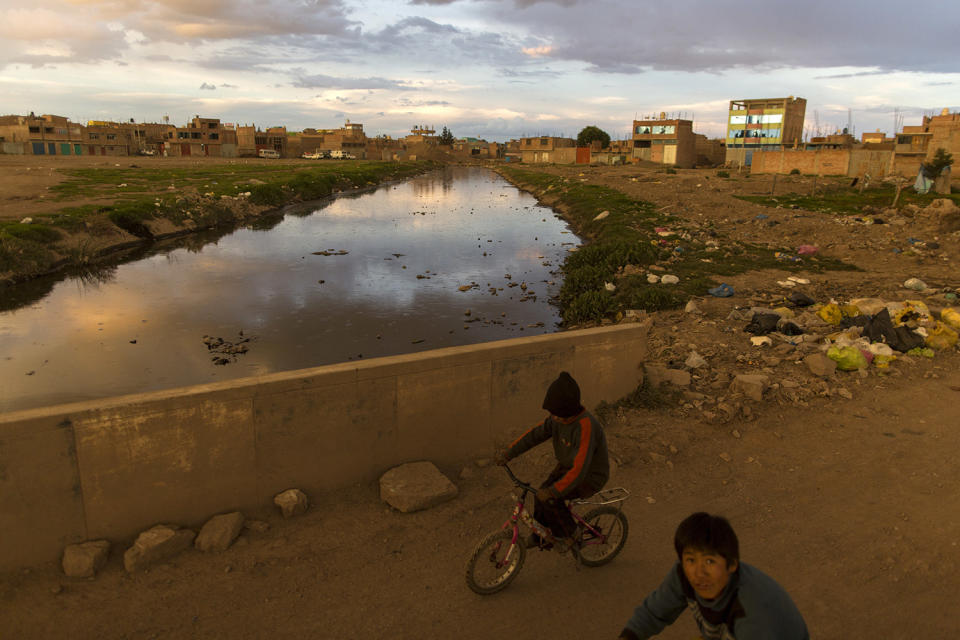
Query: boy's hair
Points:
[705, 532]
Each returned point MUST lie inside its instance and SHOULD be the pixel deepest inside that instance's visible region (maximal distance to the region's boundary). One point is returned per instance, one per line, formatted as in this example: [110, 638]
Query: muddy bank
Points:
[85, 236]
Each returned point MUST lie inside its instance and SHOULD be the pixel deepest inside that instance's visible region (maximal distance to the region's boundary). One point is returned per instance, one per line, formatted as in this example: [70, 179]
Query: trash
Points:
[806, 250]
[882, 361]
[950, 297]
[869, 306]
[798, 280]
[653, 278]
[830, 313]
[786, 283]
[915, 283]
[850, 311]
[26, 221]
[761, 216]
[918, 351]
[790, 329]
[762, 323]
[668, 279]
[721, 291]
[798, 299]
[879, 328]
[695, 360]
[784, 312]
[609, 286]
[951, 317]
[786, 257]
[880, 349]
[847, 358]
[941, 337]
[602, 215]
[911, 310]
[759, 341]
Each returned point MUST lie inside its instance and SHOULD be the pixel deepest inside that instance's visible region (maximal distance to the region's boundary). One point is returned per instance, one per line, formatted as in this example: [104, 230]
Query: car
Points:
[268, 153]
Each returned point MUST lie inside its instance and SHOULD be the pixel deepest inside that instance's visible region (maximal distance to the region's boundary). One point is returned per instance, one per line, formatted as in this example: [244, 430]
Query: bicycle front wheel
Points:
[607, 537]
[495, 562]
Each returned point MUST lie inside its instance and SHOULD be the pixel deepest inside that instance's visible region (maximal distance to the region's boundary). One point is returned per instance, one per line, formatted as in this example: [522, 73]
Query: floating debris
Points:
[331, 252]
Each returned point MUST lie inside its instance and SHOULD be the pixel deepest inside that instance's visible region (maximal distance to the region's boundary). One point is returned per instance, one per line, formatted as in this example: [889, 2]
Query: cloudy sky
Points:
[487, 68]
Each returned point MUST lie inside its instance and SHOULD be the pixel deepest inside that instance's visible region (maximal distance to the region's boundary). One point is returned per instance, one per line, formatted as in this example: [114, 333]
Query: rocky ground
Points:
[841, 484]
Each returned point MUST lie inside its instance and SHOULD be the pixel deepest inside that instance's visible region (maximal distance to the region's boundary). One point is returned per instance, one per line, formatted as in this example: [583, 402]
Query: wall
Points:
[822, 162]
[111, 468]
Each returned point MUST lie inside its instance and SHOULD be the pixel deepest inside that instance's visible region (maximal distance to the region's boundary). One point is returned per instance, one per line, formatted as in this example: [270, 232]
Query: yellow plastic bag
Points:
[847, 358]
[912, 310]
[942, 337]
[850, 311]
[951, 317]
[785, 313]
[830, 313]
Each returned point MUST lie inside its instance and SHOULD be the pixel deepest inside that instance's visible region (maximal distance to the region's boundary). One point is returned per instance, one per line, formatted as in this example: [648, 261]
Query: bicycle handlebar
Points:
[517, 481]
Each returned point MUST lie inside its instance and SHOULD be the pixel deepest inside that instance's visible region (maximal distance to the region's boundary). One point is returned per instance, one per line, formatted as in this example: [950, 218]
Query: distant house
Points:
[46, 135]
[764, 124]
[548, 149]
[665, 141]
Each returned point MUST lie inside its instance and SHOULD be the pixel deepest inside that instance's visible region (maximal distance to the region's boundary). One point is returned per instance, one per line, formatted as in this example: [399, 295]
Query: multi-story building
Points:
[101, 138]
[934, 132]
[203, 137]
[548, 149]
[250, 140]
[766, 124]
[47, 135]
[665, 141]
[349, 138]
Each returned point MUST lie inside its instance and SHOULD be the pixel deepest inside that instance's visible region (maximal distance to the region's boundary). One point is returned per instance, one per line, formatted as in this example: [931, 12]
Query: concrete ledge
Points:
[111, 468]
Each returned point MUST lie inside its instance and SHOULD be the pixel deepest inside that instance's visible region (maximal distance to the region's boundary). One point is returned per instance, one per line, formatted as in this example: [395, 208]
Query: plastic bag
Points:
[951, 317]
[830, 313]
[941, 337]
[850, 311]
[847, 358]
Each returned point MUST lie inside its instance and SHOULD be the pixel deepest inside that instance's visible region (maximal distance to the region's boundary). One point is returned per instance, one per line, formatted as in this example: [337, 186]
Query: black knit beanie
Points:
[563, 396]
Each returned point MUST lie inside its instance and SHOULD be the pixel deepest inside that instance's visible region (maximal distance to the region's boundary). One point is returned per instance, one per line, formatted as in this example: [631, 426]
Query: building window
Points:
[48, 129]
[544, 142]
[643, 129]
[771, 118]
[738, 119]
[61, 132]
[93, 136]
[111, 136]
[214, 136]
[660, 129]
[182, 135]
[769, 133]
[34, 129]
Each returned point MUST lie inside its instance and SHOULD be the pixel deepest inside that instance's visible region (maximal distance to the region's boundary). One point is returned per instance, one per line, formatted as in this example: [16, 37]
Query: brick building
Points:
[665, 141]
[766, 124]
[203, 137]
[548, 149]
[46, 135]
[250, 140]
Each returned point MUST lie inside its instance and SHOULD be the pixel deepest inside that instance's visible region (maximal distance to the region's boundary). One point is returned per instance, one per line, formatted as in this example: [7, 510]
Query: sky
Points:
[493, 69]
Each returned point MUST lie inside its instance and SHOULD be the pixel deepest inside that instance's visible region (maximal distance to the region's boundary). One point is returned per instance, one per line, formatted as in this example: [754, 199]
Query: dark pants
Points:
[554, 513]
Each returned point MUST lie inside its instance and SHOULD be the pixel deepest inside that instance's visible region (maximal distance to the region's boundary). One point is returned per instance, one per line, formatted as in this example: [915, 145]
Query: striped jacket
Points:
[580, 447]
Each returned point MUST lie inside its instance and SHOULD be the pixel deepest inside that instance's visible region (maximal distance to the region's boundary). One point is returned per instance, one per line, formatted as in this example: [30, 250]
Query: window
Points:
[643, 129]
[61, 132]
[34, 129]
[214, 136]
[738, 119]
[769, 133]
[772, 118]
[544, 142]
[182, 135]
[48, 129]
[111, 136]
[661, 129]
[93, 136]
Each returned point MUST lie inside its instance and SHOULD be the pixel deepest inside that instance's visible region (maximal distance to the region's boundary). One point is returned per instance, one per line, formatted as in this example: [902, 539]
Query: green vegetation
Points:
[847, 201]
[445, 137]
[628, 235]
[210, 196]
[794, 171]
[940, 161]
[591, 133]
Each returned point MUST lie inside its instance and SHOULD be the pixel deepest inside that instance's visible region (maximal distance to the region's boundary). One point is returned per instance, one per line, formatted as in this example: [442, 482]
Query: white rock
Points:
[668, 279]
[751, 385]
[759, 341]
[609, 286]
[26, 221]
[915, 283]
[155, 545]
[692, 307]
[695, 360]
[415, 486]
[602, 215]
[85, 559]
[292, 502]
[653, 278]
[219, 532]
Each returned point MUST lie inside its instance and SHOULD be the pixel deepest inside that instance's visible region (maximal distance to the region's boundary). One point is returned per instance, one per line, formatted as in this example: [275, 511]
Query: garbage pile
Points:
[859, 333]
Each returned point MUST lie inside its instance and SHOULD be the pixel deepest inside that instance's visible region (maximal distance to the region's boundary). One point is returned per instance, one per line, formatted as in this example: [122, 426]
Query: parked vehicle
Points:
[314, 155]
[340, 154]
[269, 153]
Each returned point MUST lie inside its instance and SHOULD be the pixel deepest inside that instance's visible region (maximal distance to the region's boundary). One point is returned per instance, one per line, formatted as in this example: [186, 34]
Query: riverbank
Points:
[75, 216]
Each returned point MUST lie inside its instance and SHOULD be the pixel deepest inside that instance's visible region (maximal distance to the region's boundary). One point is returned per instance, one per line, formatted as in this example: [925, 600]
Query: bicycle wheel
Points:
[495, 562]
[600, 548]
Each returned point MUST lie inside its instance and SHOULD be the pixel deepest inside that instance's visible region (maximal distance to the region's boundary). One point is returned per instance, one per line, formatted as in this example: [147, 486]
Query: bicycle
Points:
[600, 535]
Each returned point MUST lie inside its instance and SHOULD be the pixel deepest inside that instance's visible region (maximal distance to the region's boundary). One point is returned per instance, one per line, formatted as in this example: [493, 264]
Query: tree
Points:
[591, 133]
[940, 161]
[446, 137]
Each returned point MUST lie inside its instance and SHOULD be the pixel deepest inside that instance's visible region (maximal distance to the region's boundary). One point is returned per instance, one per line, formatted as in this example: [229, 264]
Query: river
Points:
[375, 274]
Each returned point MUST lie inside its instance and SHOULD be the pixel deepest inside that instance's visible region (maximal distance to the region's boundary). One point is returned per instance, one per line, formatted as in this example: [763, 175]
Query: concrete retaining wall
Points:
[111, 468]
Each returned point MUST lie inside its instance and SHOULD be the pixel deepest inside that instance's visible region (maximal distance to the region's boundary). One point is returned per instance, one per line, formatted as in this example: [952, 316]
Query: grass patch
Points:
[848, 201]
[628, 235]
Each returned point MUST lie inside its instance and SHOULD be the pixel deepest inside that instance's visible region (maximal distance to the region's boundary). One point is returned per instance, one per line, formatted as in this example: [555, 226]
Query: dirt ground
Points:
[843, 488]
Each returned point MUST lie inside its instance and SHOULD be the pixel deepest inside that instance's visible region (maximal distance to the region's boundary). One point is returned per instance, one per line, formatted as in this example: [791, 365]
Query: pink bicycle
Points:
[600, 535]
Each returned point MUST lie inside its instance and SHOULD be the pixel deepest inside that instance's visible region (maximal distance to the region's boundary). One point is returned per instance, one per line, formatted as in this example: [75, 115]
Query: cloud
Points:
[858, 74]
[321, 81]
[537, 52]
[208, 87]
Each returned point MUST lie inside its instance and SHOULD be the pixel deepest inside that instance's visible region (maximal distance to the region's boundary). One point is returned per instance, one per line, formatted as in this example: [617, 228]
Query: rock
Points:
[26, 221]
[843, 393]
[85, 559]
[820, 365]
[219, 532]
[915, 284]
[658, 374]
[415, 486]
[292, 502]
[609, 286]
[668, 279]
[467, 472]
[759, 341]
[695, 360]
[752, 385]
[725, 457]
[156, 545]
[653, 278]
[601, 215]
[692, 307]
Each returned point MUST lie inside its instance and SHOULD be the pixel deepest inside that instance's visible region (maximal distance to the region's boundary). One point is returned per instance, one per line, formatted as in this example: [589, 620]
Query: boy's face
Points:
[707, 571]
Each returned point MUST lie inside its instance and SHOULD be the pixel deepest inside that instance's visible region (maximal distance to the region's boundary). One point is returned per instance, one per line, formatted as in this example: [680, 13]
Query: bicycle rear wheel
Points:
[603, 546]
[495, 562]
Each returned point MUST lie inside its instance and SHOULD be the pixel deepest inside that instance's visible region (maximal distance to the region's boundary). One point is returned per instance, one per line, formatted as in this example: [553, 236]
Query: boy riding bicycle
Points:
[580, 447]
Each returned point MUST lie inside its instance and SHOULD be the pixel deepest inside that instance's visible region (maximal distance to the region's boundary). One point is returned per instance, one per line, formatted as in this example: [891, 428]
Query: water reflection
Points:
[371, 275]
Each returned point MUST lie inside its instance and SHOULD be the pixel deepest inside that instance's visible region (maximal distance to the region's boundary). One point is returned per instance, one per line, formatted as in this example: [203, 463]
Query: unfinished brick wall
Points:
[823, 162]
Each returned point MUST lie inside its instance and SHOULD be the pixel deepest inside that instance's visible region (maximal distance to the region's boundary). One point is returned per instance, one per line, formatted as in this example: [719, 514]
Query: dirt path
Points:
[850, 504]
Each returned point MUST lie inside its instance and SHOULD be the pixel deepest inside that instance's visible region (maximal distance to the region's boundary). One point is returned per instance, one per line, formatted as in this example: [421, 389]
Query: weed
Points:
[723, 174]
[794, 171]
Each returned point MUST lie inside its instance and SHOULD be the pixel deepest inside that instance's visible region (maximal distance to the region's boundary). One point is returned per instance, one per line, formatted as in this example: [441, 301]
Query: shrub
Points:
[590, 305]
[269, 194]
[723, 174]
[794, 172]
